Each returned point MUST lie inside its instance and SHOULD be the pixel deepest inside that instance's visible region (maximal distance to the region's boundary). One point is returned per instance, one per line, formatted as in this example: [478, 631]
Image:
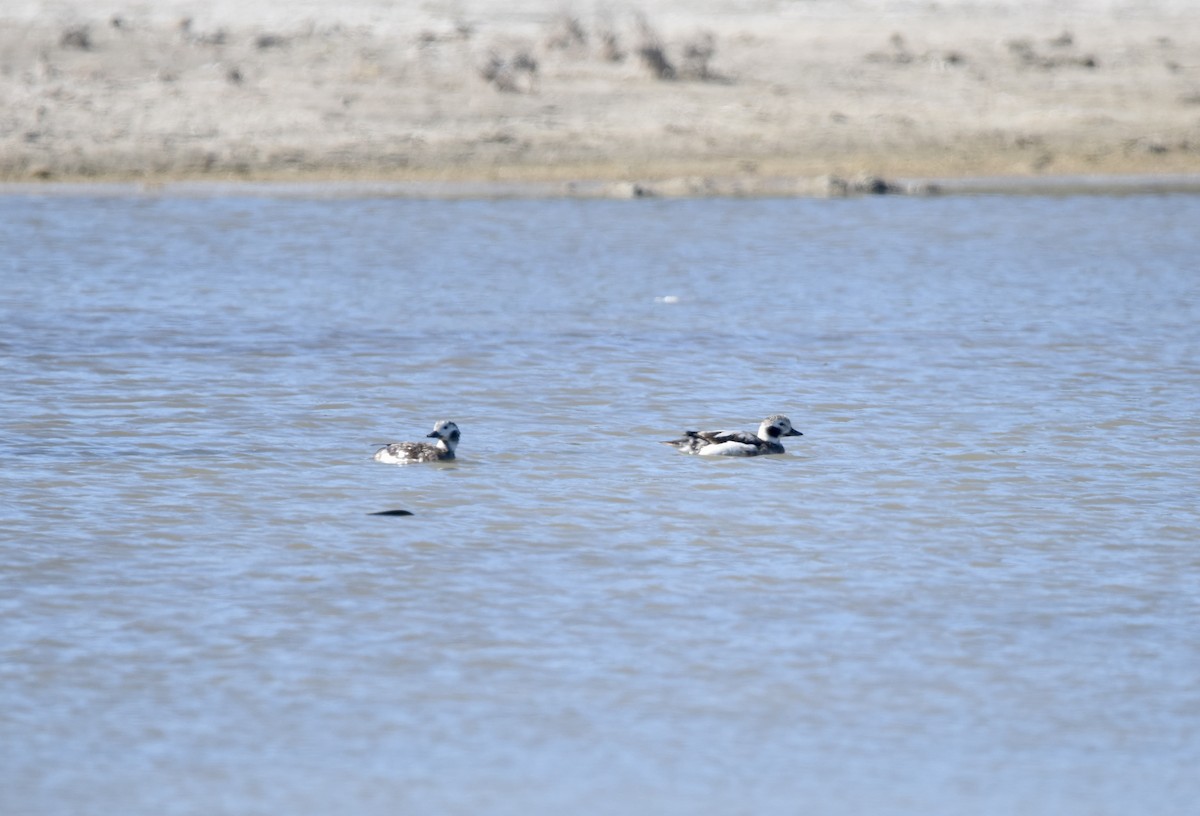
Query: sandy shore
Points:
[675, 97]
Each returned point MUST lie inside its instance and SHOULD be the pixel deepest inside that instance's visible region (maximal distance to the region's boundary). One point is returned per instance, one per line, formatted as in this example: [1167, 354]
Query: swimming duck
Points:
[738, 443]
[398, 453]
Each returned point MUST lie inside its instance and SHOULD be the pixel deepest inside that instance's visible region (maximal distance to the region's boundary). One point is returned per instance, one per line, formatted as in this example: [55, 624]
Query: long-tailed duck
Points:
[398, 453]
[738, 443]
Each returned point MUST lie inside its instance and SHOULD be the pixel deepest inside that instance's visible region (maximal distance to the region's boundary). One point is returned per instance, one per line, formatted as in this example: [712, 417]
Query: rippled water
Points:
[972, 587]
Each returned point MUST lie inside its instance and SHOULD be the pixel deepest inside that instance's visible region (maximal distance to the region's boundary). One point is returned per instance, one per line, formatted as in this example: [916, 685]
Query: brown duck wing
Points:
[416, 451]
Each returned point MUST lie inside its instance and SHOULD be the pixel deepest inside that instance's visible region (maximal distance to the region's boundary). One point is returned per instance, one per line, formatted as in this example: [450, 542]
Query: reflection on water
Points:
[971, 587]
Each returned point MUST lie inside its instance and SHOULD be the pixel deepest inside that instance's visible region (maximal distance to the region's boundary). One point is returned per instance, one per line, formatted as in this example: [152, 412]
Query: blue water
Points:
[972, 586]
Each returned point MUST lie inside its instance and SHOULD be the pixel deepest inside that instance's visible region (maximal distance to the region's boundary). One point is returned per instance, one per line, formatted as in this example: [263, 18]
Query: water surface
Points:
[973, 586]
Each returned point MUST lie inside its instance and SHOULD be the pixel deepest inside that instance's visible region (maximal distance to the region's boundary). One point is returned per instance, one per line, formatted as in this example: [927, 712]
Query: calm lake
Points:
[971, 588]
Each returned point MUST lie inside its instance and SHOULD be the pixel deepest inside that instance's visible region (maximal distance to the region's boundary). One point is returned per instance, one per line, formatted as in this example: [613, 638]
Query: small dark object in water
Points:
[391, 513]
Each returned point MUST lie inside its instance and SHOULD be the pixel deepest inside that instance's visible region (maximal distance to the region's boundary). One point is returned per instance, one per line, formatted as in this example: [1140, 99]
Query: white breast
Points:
[728, 449]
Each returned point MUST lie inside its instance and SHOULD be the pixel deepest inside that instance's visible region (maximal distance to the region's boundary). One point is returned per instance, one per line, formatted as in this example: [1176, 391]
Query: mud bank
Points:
[801, 97]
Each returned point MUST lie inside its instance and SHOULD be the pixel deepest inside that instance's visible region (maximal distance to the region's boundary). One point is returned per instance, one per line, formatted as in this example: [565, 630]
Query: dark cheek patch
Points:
[454, 435]
[772, 431]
